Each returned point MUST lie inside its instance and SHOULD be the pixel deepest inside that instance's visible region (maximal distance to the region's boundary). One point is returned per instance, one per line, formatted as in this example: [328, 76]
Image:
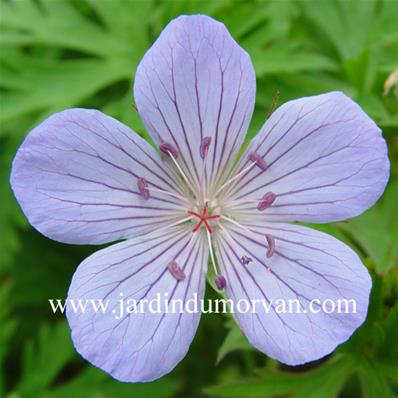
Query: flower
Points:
[82, 177]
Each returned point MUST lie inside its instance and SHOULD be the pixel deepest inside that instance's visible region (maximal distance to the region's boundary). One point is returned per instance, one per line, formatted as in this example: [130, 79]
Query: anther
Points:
[260, 162]
[204, 147]
[245, 260]
[271, 245]
[168, 149]
[220, 282]
[143, 188]
[176, 271]
[266, 201]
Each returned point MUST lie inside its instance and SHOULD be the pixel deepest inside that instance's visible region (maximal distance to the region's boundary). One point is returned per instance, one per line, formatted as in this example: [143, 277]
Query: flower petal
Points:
[195, 90]
[326, 161]
[76, 179]
[305, 265]
[138, 346]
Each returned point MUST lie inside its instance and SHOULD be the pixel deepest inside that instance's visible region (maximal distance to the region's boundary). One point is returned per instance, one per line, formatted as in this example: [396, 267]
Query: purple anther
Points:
[220, 282]
[143, 188]
[271, 245]
[266, 201]
[176, 271]
[204, 146]
[260, 162]
[168, 149]
[245, 260]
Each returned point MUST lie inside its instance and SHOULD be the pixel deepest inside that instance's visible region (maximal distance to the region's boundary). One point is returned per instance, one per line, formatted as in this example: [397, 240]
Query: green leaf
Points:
[288, 58]
[325, 381]
[379, 241]
[235, 340]
[8, 328]
[93, 383]
[373, 382]
[10, 216]
[58, 85]
[344, 22]
[43, 362]
[105, 53]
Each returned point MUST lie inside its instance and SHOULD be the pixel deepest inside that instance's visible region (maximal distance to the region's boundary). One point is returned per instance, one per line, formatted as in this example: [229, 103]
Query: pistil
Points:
[203, 219]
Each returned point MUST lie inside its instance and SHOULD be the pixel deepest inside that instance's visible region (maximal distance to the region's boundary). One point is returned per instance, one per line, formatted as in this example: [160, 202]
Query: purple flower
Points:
[82, 177]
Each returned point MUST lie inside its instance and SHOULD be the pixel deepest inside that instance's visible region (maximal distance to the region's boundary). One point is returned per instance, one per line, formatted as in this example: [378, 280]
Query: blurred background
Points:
[57, 54]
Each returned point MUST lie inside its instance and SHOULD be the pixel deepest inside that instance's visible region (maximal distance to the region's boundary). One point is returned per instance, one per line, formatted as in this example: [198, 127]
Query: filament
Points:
[244, 171]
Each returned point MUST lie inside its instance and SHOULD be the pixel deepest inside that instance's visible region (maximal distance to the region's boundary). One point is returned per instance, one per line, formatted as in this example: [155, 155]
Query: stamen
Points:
[204, 146]
[220, 282]
[235, 223]
[245, 260]
[168, 149]
[169, 193]
[266, 201]
[143, 188]
[258, 160]
[176, 271]
[271, 245]
[219, 279]
[175, 224]
[244, 171]
[181, 172]
[213, 262]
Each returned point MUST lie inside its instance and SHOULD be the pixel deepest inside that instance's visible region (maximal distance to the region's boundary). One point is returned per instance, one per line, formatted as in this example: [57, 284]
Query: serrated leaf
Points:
[43, 361]
[373, 382]
[106, 54]
[344, 22]
[328, 379]
[93, 383]
[286, 58]
[8, 327]
[380, 240]
[235, 340]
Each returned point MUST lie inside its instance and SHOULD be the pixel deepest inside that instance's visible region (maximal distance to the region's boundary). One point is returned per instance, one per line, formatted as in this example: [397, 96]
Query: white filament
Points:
[211, 252]
[169, 193]
[182, 173]
[235, 223]
[244, 171]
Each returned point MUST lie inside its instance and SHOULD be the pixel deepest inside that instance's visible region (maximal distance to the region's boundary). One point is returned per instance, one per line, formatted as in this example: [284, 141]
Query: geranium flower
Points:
[82, 177]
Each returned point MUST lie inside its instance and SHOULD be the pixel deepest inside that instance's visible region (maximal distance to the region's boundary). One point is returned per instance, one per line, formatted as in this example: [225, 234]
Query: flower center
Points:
[202, 211]
[204, 218]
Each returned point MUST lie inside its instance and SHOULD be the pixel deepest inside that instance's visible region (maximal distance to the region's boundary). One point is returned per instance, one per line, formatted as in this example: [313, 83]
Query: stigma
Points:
[204, 218]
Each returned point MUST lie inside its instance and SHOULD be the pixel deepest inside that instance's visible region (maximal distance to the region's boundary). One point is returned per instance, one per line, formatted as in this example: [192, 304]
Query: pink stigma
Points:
[203, 219]
[260, 162]
[271, 245]
[143, 188]
[266, 201]
[204, 147]
[168, 149]
[220, 282]
[176, 271]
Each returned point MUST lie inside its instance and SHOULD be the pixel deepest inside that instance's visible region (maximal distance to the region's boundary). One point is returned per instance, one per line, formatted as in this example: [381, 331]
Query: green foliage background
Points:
[57, 54]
